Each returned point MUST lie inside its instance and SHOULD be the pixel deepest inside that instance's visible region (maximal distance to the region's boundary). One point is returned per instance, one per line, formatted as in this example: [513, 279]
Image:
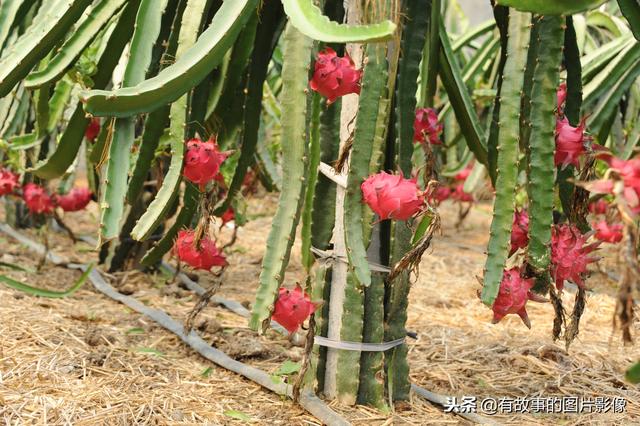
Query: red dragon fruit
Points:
[440, 194]
[203, 161]
[205, 257]
[519, 231]
[463, 174]
[513, 296]
[292, 308]
[8, 182]
[608, 233]
[228, 216]
[335, 76]
[93, 129]
[599, 207]
[37, 199]
[392, 196]
[570, 142]
[426, 126]
[561, 95]
[460, 195]
[570, 255]
[76, 199]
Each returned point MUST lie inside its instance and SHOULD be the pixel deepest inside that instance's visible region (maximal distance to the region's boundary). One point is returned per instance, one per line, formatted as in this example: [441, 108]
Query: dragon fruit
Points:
[459, 194]
[627, 171]
[599, 207]
[440, 194]
[519, 231]
[426, 127]
[608, 233]
[463, 174]
[392, 196]
[570, 255]
[93, 129]
[335, 76]
[561, 95]
[292, 308]
[76, 199]
[37, 199]
[570, 143]
[8, 182]
[513, 296]
[202, 161]
[228, 216]
[205, 257]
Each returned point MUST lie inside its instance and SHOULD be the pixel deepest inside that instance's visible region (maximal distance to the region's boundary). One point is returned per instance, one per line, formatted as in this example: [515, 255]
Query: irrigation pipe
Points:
[308, 400]
[240, 310]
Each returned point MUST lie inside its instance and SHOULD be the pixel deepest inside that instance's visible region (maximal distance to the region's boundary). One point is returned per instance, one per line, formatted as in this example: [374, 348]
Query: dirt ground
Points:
[88, 360]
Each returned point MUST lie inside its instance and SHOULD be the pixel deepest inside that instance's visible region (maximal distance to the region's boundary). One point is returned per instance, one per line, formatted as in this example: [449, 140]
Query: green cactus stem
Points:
[508, 152]
[542, 142]
[186, 73]
[72, 48]
[551, 7]
[308, 19]
[51, 26]
[297, 55]
[72, 137]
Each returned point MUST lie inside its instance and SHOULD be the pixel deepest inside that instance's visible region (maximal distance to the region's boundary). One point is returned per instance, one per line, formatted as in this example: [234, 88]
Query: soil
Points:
[88, 360]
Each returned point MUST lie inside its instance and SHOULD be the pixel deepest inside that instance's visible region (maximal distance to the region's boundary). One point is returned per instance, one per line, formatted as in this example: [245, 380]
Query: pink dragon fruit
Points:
[599, 207]
[203, 161]
[426, 127]
[392, 196]
[627, 171]
[561, 95]
[460, 195]
[292, 308]
[513, 296]
[570, 142]
[76, 199]
[8, 182]
[608, 233]
[335, 76]
[440, 194]
[205, 257]
[570, 255]
[464, 173]
[37, 199]
[519, 231]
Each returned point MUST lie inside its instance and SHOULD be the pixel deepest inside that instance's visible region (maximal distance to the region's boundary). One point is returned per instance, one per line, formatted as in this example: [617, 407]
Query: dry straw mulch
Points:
[89, 360]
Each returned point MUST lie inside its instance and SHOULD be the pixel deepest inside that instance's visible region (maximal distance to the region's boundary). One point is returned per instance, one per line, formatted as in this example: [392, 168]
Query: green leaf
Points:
[150, 351]
[633, 373]
[16, 267]
[287, 368]
[135, 330]
[34, 291]
[238, 415]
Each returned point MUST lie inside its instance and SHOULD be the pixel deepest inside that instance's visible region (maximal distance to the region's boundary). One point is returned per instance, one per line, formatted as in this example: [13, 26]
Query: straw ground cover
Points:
[89, 360]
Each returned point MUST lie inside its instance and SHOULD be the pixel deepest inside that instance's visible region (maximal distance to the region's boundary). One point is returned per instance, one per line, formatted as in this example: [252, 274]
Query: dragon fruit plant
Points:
[210, 92]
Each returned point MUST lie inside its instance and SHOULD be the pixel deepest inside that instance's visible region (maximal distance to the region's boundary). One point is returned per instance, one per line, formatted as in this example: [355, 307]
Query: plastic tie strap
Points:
[329, 256]
[357, 346]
